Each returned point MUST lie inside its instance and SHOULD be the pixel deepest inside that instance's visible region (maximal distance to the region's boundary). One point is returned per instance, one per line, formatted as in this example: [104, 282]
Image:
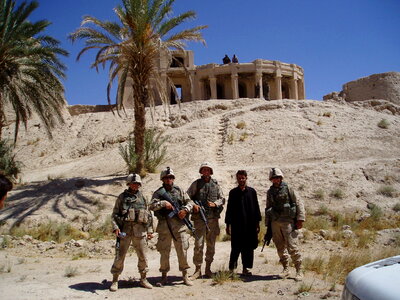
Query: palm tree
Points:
[145, 32]
[30, 70]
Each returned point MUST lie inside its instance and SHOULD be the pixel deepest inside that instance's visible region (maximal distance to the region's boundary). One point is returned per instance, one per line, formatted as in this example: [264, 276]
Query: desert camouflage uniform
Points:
[206, 191]
[284, 209]
[177, 227]
[131, 215]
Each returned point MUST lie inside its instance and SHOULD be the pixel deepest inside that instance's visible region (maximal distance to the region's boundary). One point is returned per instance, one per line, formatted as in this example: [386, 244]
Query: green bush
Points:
[383, 124]
[337, 193]
[388, 191]
[396, 207]
[8, 165]
[319, 194]
[154, 151]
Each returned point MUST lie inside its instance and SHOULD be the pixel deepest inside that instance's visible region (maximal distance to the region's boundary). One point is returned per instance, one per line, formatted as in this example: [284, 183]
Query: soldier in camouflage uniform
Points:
[206, 192]
[131, 217]
[171, 228]
[286, 214]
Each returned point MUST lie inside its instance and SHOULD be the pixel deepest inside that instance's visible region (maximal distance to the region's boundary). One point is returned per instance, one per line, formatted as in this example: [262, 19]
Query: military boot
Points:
[285, 272]
[299, 273]
[114, 284]
[208, 272]
[186, 279]
[143, 281]
[164, 278]
[197, 272]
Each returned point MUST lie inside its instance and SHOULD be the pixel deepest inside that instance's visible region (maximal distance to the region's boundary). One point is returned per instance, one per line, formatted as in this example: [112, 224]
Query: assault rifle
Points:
[175, 210]
[267, 236]
[202, 213]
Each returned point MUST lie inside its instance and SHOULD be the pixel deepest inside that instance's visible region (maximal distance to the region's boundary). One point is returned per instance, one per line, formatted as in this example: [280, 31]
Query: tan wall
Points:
[384, 86]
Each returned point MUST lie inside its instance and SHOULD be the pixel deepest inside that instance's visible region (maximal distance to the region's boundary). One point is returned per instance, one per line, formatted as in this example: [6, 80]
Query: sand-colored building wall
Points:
[377, 86]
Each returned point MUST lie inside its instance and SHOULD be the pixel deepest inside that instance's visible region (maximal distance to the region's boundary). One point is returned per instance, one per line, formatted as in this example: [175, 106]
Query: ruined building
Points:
[258, 79]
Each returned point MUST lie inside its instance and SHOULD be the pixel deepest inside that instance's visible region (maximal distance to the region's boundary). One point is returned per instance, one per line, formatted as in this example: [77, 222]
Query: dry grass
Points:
[336, 266]
[388, 191]
[223, 276]
[241, 125]
[71, 272]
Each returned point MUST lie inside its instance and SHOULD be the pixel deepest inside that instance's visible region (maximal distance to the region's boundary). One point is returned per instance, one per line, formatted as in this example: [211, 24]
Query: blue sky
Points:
[334, 41]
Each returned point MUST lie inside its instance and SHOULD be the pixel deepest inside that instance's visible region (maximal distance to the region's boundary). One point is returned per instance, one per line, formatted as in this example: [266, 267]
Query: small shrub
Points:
[337, 193]
[396, 207]
[241, 125]
[319, 123]
[51, 231]
[6, 267]
[223, 276]
[154, 151]
[322, 210]
[82, 254]
[231, 138]
[376, 212]
[9, 166]
[103, 231]
[315, 223]
[384, 124]
[327, 114]
[388, 191]
[243, 136]
[304, 288]
[71, 272]
[5, 243]
[319, 194]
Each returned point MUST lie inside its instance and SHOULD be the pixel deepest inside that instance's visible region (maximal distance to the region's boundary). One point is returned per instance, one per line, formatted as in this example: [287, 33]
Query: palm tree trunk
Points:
[139, 130]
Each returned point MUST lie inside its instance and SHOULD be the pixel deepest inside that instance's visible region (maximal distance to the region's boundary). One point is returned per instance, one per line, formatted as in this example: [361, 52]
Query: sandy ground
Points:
[76, 176]
[43, 277]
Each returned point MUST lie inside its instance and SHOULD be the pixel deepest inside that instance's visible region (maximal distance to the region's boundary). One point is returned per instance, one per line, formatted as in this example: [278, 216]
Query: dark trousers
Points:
[247, 257]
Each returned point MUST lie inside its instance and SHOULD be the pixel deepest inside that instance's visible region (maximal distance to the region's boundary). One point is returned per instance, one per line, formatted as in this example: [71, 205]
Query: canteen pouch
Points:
[143, 216]
[131, 215]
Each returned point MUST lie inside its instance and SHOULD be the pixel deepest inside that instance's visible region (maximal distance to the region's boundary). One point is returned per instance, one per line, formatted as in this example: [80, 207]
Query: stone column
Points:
[294, 94]
[235, 85]
[278, 86]
[260, 85]
[213, 87]
[201, 94]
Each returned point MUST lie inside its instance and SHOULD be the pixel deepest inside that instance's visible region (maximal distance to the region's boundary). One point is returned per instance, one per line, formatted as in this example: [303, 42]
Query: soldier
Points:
[5, 186]
[286, 214]
[171, 227]
[132, 223]
[207, 196]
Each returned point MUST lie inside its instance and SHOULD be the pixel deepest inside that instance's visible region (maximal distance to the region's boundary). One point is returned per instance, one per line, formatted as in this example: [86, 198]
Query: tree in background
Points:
[146, 31]
[30, 70]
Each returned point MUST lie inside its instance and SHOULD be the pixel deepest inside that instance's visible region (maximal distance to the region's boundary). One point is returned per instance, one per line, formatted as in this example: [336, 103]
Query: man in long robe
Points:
[243, 223]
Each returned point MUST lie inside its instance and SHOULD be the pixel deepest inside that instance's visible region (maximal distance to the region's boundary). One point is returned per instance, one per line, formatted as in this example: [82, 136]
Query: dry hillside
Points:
[326, 146]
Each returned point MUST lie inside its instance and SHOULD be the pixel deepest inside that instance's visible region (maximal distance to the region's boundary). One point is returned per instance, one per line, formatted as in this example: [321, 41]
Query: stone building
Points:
[258, 79]
[384, 86]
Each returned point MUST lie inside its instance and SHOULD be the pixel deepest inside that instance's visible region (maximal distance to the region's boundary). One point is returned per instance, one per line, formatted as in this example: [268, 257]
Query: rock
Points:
[346, 227]
[347, 234]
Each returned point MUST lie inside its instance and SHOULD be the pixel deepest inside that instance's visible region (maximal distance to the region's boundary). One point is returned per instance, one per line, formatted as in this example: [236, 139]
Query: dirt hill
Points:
[76, 176]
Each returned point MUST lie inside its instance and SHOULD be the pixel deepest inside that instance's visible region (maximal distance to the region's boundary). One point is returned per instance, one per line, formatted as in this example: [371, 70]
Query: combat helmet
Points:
[167, 171]
[133, 178]
[275, 172]
[206, 164]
